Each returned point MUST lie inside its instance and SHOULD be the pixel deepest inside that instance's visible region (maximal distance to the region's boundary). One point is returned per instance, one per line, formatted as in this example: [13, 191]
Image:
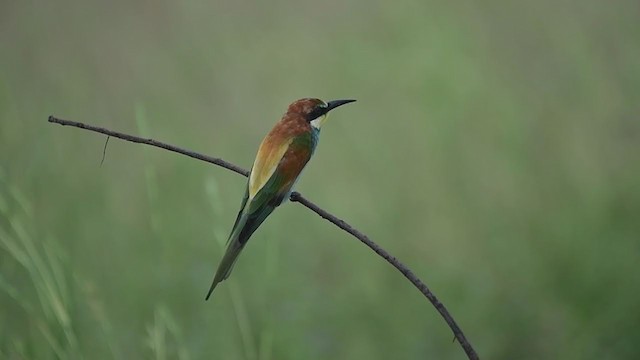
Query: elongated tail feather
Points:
[234, 246]
[245, 225]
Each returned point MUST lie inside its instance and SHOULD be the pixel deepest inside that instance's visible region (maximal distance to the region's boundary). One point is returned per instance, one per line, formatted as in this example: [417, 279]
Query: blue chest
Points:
[315, 138]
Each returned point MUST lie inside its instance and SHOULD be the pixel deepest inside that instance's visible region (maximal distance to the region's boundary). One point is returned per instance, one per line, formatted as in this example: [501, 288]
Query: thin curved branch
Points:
[297, 197]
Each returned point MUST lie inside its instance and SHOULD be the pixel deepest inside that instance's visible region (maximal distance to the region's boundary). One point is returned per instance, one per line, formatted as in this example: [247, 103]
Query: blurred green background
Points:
[494, 149]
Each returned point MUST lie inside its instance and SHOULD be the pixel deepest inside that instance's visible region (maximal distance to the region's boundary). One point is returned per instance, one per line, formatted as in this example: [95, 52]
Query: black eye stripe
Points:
[317, 112]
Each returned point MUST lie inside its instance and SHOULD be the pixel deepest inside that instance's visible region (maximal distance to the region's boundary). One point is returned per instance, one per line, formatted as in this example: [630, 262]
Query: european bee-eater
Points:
[282, 155]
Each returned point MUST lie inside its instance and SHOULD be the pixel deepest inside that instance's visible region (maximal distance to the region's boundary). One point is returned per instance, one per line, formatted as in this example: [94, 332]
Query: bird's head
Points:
[315, 111]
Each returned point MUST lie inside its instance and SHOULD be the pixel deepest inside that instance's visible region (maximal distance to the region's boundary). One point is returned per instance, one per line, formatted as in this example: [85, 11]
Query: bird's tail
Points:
[244, 227]
[234, 247]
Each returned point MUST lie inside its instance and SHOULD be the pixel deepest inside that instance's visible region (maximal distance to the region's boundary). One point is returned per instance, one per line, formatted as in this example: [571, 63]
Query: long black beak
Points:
[335, 103]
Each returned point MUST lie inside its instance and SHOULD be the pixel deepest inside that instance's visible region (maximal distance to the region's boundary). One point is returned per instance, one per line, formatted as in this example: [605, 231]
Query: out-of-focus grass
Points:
[49, 308]
[493, 149]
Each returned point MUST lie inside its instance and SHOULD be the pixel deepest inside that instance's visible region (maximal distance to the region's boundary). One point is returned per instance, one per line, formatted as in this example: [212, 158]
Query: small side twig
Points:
[104, 150]
[297, 197]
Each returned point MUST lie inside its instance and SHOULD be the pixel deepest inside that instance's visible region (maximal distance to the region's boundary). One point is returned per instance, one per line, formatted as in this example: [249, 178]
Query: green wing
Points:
[276, 189]
[253, 212]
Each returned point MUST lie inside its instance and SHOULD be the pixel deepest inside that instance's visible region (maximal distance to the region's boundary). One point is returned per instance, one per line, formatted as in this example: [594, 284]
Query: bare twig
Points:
[297, 197]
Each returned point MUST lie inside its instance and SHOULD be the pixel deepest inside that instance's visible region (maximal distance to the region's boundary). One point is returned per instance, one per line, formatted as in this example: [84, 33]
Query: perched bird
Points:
[282, 155]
